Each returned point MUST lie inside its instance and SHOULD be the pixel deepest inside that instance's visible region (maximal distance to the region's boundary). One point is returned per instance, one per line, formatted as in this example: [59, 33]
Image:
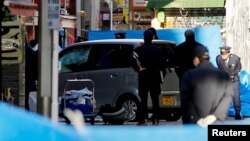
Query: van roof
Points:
[122, 41]
[135, 42]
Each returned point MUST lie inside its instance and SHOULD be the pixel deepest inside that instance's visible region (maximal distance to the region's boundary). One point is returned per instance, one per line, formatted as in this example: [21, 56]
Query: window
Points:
[110, 56]
[75, 59]
[168, 52]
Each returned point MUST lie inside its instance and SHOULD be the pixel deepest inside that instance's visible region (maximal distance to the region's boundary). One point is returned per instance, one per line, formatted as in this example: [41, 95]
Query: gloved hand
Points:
[204, 122]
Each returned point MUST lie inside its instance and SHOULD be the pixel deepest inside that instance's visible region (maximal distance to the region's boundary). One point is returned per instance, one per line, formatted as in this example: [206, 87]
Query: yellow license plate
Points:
[168, 100]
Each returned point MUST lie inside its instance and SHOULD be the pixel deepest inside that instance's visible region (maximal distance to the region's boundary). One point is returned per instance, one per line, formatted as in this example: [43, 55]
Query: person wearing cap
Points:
[184, 53]
[120, 35]
[231, 64]
[206, 91]
[148, 61]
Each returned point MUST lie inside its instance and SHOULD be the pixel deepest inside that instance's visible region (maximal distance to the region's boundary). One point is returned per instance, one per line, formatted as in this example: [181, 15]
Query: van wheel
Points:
[130, 105]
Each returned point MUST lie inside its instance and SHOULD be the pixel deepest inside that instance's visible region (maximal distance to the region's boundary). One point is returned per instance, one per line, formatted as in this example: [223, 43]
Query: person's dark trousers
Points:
[143, 108]
[28, 83]
[155, 91]
[236, 100]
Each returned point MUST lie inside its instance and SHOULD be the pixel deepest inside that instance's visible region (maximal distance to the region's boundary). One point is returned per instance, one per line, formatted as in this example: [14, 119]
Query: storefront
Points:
[12, 49]
[140, 16]
[119, 16]
[67, 32]
[189, 13]
[163, 14]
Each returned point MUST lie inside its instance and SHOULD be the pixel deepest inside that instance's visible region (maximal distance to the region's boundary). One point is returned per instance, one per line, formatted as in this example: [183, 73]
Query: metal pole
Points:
[78, 19]
[54, 106]
[45, 62]
[111, 14]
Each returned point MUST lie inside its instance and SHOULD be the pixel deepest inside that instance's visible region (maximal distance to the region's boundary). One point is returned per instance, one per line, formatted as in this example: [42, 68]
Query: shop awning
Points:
[68, 21]
[21, 7]
[185, 4]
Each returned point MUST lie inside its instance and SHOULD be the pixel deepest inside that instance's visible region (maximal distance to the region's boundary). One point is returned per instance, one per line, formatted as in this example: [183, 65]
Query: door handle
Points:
[113, 75]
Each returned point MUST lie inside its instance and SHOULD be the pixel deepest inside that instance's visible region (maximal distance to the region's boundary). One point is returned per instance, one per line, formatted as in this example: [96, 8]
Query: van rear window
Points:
[74, 60]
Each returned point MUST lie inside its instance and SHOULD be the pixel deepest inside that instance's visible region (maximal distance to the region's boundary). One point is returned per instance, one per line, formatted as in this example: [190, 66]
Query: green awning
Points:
[185, 3]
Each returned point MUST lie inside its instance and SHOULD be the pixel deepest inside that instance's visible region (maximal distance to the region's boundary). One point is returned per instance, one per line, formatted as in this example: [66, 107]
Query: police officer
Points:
[205, 91]
[148, 62]
[231, 64]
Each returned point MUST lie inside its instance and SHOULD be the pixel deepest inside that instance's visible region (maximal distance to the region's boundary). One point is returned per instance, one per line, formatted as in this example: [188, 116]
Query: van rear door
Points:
[104, 73]
[170, 87]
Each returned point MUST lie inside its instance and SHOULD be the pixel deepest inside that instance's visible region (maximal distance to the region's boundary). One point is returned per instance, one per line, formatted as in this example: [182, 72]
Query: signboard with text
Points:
[53, 14]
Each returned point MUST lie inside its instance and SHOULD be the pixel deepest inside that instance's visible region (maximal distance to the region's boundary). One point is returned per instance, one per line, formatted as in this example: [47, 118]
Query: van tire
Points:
[130, 104]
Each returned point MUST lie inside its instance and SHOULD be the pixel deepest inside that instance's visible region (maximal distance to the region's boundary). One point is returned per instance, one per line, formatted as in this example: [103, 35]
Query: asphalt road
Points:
[99, 122]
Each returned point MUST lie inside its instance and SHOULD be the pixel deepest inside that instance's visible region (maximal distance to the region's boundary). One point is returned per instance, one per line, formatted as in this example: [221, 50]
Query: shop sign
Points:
[117, 18]
[53, 14]
[122, 3]
[105, 17]
[12, 42]
[140, 3]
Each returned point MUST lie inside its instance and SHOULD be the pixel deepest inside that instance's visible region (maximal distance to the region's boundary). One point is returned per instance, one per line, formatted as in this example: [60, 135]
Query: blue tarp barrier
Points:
[149, 133]
[17, 124]
[153, 133]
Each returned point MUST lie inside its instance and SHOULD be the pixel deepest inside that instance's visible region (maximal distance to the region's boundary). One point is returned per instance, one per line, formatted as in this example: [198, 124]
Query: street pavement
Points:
[99, 122]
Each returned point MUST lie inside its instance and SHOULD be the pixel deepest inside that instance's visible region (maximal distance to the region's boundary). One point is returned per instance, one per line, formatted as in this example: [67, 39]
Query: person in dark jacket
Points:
[148, 62]
[231, 64]
[184, 53]
[205, 91]
[31, 70]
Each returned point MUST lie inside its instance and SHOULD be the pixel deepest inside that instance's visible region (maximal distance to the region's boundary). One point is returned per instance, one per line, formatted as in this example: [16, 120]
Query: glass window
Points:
[75, 59]
[168, 53]
[110, 56]
[124, 56]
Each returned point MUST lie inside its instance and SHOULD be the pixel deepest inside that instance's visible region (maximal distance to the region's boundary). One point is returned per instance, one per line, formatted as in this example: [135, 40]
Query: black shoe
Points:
[237, 116]
[155, 122]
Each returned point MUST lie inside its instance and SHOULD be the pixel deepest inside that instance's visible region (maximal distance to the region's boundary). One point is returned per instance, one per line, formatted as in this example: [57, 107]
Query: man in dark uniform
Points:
[184, 53]
[231, 64]
[205, 91]
[148, 62]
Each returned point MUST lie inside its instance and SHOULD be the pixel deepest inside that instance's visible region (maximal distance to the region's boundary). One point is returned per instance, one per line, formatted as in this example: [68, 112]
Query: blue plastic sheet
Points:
[152, 133]
[19, 125]
[16, 124]
[149, 133]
